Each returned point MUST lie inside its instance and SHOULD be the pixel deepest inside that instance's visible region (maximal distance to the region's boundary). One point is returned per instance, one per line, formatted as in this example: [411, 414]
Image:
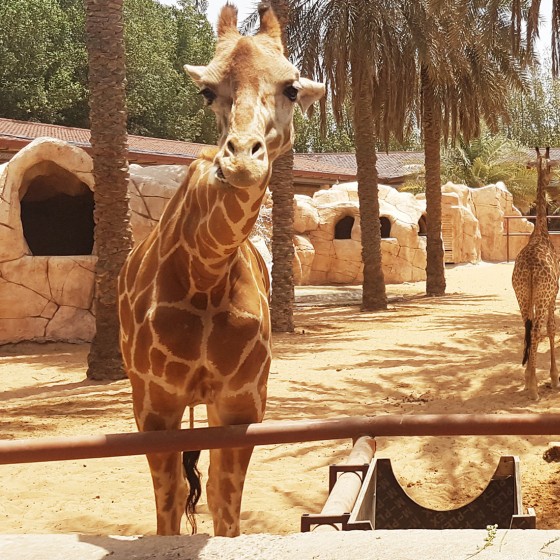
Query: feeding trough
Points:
[382, 503]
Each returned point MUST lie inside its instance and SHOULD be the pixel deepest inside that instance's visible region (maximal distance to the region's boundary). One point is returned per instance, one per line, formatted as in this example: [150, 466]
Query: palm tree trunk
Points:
[282, 188]
[431, 125]
[282, 299]
[113, 238]
[374, 296]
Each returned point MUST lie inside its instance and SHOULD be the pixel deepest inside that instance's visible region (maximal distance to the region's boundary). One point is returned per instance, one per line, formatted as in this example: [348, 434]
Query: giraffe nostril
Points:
[256, 148]
[231, 147]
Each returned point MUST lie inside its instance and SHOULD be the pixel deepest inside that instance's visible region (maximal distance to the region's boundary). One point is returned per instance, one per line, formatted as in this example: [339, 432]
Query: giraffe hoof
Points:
[533, 394]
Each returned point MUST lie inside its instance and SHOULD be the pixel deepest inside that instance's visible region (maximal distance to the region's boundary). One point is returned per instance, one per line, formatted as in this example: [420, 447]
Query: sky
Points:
[246, 6]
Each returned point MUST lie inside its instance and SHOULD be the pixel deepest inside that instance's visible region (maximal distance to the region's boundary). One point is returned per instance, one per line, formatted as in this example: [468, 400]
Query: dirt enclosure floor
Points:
[457, 354]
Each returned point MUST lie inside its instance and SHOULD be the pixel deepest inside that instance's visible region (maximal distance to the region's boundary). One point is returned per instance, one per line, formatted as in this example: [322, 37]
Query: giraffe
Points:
[193, 295]
[535, 282]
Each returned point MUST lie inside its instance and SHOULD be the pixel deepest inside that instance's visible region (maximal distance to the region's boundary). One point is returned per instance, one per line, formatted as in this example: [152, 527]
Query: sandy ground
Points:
[458, 354]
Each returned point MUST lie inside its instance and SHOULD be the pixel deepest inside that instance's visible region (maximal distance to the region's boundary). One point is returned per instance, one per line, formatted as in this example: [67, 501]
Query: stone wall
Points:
[47, 298]
[491, 204]
[43, 297]
[325, 259]
[50, 295]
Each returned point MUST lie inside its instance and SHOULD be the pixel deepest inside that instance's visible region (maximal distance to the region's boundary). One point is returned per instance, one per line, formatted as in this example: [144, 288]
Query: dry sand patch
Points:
[458, 354]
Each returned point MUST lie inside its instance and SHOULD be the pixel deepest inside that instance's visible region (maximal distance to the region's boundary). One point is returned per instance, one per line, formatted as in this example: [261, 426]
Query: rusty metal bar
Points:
[246, 435]
[509, 234]
[507, 240]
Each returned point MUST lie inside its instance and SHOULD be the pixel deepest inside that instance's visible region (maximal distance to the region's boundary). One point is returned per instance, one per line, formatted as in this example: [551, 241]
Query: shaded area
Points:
[343, 228]
[56, 212]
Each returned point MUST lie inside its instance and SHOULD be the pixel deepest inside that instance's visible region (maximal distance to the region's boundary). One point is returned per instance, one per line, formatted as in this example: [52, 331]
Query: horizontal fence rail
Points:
[532, 219]
[248, 435]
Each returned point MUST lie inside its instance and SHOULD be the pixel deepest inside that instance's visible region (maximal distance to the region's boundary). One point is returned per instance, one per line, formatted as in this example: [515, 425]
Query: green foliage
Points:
[489, 159]
[322, 134]
[535, 112]
[161, 100]
[335, 138]
[414, 184]
[43, 65]
[39, 60]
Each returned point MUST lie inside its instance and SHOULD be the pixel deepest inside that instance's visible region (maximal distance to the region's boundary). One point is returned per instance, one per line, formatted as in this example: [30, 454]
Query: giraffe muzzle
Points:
[243, 160]
[241, 171]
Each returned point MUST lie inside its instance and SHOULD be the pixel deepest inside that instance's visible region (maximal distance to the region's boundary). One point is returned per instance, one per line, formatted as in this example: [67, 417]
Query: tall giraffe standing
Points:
[535, 281]
[193, 296]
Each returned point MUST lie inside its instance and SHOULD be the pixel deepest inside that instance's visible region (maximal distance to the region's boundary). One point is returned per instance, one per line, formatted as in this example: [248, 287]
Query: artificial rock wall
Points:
[47, 272]
[326, 254]
[47, 252]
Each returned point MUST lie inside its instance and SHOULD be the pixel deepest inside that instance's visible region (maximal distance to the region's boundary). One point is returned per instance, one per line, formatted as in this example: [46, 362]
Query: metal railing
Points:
[527, 234]
[248, 435]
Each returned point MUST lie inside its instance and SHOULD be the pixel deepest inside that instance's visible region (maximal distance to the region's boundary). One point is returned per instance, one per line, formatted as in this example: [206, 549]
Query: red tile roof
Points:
[316, 168]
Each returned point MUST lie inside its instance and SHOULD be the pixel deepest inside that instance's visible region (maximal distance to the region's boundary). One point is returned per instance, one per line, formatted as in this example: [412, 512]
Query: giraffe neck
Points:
[219, 220]
[541, 226]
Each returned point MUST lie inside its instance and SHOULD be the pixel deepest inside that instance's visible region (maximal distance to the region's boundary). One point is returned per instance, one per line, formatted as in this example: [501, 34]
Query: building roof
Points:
[317, 168]
[308, 168]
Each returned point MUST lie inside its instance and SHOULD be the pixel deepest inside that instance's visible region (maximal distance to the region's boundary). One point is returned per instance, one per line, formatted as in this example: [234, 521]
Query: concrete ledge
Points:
[352, 545]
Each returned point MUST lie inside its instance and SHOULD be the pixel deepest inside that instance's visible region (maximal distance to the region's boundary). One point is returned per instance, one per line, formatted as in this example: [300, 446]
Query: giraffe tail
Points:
[528, 330]
[190, 464]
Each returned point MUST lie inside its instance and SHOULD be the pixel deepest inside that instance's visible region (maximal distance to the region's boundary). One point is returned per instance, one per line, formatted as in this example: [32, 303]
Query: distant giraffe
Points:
[193, 296]
[535, 281]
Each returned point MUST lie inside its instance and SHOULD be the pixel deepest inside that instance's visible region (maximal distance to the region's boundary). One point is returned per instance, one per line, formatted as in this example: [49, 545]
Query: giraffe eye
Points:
[291, 93]
[208, 94]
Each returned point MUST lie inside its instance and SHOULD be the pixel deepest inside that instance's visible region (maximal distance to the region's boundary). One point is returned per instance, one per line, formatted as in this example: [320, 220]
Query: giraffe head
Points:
[252, 88]
[543, 164]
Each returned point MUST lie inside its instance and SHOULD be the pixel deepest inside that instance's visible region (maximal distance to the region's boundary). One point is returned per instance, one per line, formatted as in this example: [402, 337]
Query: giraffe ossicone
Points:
[535, 281]
[193, 295]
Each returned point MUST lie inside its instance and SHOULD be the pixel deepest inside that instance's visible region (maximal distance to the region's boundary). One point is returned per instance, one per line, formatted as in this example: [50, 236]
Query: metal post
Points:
[507, 238]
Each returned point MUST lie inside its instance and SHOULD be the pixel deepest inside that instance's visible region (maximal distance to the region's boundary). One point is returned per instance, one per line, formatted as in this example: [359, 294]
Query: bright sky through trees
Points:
[244, 7]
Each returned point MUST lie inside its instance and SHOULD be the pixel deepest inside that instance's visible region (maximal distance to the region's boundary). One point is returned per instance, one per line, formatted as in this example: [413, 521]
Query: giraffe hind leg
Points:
[551, 331]
[530, 372]
[526, 350]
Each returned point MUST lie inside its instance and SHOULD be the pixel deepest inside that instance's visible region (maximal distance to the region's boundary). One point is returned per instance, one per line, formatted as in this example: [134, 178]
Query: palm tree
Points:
[466, 63]
[113, 238]
[282, 189]
[488, 159]
[355, 47]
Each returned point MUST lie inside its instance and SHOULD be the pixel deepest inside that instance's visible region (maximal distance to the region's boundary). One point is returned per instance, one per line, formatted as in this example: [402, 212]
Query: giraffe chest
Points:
[198, 341]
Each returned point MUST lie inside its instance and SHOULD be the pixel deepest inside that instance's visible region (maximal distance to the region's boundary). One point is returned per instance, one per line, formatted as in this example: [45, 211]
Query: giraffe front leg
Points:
[228, 467]
[226, 479]
[168, 479]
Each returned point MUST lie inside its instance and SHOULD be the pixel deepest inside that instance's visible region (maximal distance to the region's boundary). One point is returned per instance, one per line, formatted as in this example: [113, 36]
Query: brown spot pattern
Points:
[179, 331]
[252, 363]
[228, 338]
[144, 340]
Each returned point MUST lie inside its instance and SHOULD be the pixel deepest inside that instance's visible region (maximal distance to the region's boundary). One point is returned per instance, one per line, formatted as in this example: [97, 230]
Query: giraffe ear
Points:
[195, 72]
[227, 20]
[309, 93]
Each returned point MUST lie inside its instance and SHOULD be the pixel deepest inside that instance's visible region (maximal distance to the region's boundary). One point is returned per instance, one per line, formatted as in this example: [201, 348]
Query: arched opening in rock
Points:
[56, 211]
[422, 226]
[385, 227]
[343, 228]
